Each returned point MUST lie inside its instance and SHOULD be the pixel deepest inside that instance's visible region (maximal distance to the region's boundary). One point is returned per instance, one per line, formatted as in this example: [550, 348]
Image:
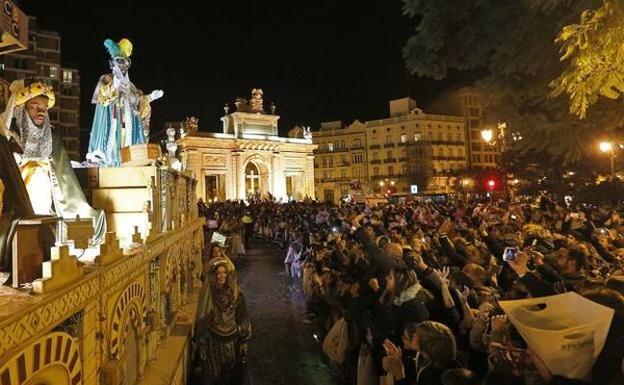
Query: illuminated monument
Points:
[249, 158]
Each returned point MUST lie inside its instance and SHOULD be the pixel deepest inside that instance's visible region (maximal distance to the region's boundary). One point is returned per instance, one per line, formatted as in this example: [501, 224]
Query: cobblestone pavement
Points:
[283, 350]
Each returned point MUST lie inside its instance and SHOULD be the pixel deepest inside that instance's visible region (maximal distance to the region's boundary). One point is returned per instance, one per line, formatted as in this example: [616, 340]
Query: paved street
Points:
[283, 350]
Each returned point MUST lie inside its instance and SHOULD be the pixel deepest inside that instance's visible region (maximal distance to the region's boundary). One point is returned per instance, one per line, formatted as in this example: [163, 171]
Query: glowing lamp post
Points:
[607, 147]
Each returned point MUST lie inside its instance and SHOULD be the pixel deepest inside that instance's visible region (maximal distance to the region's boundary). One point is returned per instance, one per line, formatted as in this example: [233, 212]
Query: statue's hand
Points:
[156, 94]
[117, 73]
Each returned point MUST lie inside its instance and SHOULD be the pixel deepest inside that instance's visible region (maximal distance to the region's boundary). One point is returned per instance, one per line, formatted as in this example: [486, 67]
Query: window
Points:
[324, 174]
[388, 140]
[53, 71]
[451, 152]
[330, 162]
[460, 152]
[440, 136]
[458, 137]
[357, 143]
[67, 77]
[449, 137]
[343, 173]
[343, 159]
[388, 129]
[375, 156]
[429, 137]
[330, 146]
[389, 155]
[344, 189]
[417, 136]
[357, 157]
[21, 63]
[375, 171]
[390, 170]
[403, 138]
[404, 169]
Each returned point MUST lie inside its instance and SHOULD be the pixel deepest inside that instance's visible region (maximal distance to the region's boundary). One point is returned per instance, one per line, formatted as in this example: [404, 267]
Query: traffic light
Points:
[491, 184]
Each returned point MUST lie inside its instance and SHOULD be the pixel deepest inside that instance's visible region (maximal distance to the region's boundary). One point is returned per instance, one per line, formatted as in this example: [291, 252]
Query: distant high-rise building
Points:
[468, 102]
[42, 59]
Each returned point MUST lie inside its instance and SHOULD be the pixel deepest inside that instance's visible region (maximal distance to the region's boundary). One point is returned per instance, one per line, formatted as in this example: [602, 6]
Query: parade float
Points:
[76, 309]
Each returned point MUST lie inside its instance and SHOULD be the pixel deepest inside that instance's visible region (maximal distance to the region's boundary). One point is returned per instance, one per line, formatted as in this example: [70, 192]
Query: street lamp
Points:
[487, 135]
[607, 147]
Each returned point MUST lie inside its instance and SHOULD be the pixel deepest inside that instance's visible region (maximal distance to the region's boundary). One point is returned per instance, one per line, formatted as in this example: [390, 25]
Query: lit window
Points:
[403, 138]
[417, 136]
[330, 146]
[67, 77]
[53, 71]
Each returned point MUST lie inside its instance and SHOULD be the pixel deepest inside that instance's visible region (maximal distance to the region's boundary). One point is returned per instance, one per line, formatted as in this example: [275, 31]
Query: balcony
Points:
[450, 158]
[360, 147]
[390, 160]
[375, 161]
[402, 144]
[388, 176]
[343, 164]
[374, 147]
[447, 143]
[404, 159]
[389, 145]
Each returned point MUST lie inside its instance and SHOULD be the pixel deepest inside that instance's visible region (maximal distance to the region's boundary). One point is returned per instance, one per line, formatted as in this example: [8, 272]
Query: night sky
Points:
[317, 60]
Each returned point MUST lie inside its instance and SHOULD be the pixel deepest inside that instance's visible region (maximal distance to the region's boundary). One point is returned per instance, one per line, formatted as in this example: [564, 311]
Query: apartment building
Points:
[468, 103]
[340, 159]
[42, 59]
[390, 155]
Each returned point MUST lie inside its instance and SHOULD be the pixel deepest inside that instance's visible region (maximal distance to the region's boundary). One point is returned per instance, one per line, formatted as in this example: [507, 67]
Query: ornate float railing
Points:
[106, 320]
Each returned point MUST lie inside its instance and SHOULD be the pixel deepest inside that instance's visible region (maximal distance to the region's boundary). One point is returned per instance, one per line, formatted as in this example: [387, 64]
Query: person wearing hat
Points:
[48, 184]
[122, 112]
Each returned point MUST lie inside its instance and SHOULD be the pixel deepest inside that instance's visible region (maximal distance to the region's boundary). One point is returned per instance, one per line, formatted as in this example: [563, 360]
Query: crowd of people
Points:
[410, 293]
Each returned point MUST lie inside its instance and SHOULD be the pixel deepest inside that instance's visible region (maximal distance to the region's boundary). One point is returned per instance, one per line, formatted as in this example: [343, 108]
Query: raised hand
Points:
[498, 323]
[391, 349]
[156, 94]
[463, 294]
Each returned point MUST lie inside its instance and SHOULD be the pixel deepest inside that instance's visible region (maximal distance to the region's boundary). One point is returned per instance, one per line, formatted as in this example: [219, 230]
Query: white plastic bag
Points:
[567, 331]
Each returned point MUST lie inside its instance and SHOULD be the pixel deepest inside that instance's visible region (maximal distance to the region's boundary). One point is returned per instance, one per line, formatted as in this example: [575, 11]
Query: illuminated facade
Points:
[249, 158]
[390, 155]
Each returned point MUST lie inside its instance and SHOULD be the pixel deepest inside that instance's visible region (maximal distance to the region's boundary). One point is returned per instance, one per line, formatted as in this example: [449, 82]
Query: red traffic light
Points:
[491, 183]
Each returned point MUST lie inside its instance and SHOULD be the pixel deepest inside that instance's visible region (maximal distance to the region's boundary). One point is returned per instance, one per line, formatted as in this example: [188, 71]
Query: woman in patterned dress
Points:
[223, 329]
